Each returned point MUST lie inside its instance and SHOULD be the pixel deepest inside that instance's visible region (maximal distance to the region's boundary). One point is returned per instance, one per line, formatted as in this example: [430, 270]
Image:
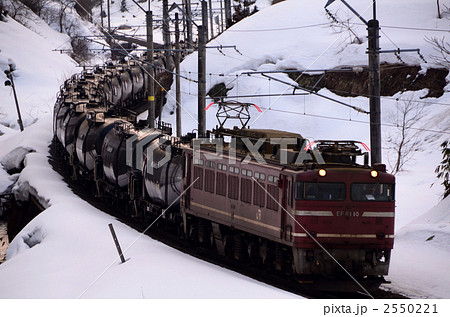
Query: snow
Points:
[79, 260]
[67, 251]
[37, 78]
[428, 236]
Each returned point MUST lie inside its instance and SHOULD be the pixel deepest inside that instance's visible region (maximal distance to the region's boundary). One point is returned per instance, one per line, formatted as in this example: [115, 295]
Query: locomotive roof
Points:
[260, 133]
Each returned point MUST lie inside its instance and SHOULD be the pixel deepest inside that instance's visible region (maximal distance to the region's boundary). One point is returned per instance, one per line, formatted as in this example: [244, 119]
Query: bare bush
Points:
[441, 46]
[243, 9]
[16, 9]
[407, 140]
[342, 25]
[80, 49]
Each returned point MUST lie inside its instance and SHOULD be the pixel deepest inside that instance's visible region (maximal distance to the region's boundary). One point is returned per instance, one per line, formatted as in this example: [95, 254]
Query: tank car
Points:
[163, 182]
[112, 88]
[91, 135]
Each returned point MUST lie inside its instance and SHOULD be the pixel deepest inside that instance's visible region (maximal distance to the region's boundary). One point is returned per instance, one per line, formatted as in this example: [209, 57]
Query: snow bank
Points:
[39, 72]
[421, 255]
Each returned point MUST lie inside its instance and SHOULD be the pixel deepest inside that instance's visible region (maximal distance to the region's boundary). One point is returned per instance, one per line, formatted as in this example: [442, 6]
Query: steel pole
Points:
[19, 120]
[374, 91]
[109, 17]
[166, 34]
[150, 70]
[201, 81]
[189, 24]
[211, 25]
[101, 13]
[228, 18]
[205, 19]
[177, 76]
[221, 16]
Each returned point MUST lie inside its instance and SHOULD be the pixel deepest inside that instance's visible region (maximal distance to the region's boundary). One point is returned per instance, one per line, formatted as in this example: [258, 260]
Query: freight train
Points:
[314, 213]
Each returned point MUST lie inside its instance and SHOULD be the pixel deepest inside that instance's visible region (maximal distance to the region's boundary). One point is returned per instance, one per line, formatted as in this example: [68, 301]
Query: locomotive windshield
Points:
[373, 192]
[319, 191]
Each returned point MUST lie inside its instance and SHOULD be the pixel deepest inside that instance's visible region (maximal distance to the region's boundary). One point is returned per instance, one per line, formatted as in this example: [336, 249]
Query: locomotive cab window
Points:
[372, 192]
[319, 191]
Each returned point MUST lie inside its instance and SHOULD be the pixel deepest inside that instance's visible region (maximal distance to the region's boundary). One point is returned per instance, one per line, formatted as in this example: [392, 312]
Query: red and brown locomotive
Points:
[300, 217]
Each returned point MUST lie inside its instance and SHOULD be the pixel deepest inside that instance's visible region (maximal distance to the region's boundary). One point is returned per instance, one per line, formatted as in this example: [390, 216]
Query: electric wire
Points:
[350, 120]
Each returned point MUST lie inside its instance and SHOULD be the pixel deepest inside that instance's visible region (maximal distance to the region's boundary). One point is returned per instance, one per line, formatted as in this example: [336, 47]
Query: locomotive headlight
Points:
[373, 173]
[322, 172]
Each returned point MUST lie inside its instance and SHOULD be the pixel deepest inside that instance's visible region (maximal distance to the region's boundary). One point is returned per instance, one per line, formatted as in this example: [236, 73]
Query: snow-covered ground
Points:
[72, 254]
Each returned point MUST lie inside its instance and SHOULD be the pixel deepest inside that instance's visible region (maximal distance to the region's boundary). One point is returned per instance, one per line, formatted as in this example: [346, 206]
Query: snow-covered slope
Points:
[422, 255]
[39, 71]
[74, 246]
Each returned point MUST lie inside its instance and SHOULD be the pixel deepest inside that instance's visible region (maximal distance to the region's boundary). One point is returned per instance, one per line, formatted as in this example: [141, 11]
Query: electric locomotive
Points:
[314, 214]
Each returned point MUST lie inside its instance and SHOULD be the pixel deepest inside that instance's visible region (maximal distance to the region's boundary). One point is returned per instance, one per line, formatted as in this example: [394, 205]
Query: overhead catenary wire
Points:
[327, 23]
[409, 28]
[349, 120]
[282, 29]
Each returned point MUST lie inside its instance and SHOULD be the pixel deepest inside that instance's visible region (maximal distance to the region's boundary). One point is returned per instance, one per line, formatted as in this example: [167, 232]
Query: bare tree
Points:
[441, 46]
[407, 140]
[64, 5]
[16, 10]
[339, 26]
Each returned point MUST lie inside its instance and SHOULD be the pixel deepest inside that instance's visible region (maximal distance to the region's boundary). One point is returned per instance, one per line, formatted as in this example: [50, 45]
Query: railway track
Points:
[158, 233]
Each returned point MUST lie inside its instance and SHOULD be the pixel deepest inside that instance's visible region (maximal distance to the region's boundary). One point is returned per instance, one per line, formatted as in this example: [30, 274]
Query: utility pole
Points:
[205, 19]
[373, 51]
[166, 34]
[150, 70]
[374, 88]
[221, 16]
[201, 81]
[177, 77]
[11, 83]
[101, 12]
[211, 25]
[189, 23]
[228, 19]
[109, 16]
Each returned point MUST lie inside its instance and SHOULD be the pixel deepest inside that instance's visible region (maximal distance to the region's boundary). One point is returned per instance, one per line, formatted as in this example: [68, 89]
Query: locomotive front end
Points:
[344, 222]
